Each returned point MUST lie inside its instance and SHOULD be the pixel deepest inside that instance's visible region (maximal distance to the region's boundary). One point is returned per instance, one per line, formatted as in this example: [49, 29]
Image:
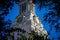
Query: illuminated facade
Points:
[27, 21]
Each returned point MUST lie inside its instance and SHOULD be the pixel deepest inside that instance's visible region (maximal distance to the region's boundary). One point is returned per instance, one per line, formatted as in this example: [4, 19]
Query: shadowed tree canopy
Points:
[34, 1]
[35, 36]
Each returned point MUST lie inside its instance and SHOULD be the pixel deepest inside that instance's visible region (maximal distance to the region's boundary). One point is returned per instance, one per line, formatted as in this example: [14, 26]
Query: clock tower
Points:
[27, 15]
[26, 21]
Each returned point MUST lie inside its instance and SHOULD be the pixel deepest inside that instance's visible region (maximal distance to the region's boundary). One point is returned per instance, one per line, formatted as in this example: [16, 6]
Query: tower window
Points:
[23, 7]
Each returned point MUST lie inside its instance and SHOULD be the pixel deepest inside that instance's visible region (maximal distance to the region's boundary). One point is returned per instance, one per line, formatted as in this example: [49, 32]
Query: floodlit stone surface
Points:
[30, 21]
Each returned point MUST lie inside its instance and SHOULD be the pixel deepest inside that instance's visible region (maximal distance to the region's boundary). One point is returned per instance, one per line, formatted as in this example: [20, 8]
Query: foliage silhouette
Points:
[23, 37]
[34, 36]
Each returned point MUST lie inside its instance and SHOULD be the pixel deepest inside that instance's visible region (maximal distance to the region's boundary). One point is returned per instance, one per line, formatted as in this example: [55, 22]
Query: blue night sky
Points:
[40, 13]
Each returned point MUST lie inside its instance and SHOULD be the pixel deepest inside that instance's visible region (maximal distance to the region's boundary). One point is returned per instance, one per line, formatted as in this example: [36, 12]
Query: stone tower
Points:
[27, 20]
